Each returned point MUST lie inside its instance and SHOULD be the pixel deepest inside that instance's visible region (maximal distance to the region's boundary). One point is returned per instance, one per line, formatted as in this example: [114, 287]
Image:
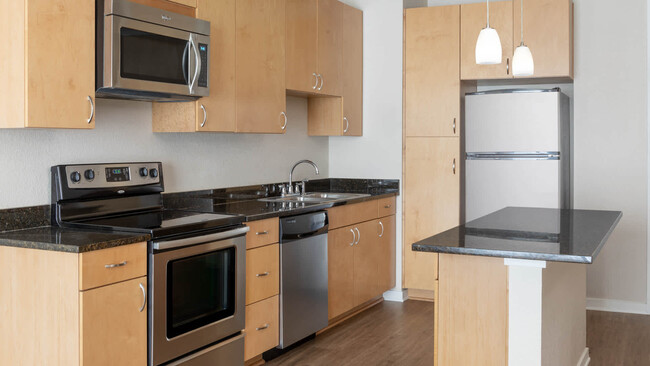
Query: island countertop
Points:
[561, 235]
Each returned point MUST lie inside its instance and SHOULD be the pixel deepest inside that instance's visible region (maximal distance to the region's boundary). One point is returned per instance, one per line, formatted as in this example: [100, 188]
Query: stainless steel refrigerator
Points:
[518, 150]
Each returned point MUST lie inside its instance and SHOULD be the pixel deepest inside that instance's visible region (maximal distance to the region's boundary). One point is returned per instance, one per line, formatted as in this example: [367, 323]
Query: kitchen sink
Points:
[316, 197]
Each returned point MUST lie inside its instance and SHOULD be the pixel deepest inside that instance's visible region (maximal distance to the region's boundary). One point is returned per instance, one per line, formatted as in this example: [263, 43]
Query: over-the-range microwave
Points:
[146, 53]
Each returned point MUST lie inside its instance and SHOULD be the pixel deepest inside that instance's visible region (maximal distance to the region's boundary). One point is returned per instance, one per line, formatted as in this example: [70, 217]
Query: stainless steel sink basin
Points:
[316, 197]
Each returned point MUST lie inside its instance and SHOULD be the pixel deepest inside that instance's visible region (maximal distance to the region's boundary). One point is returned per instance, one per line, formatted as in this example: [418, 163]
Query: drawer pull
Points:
[115, 265]
[382, 229]
[265, 326]
[265, 232]
[388, 206]
[262, 274]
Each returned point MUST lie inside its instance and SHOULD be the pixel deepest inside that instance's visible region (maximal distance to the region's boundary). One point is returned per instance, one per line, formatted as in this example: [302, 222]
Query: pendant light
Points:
[522, 61]
[488, 45]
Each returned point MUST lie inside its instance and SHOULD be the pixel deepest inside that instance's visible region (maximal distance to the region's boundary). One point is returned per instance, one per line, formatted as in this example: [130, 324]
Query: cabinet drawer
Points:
[262, 327]
[386, 206]
[263, 232]
[106, 266]
[351, 214]
[262, 273]
[191, 3]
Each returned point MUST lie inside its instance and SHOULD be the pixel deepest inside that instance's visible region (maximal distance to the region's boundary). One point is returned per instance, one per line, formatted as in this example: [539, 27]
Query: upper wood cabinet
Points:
[352, 62]
[314, 39]
[548, 32]
[472, 21]
[432, 71]
[215, 113]
[260, 66]
[47, 60]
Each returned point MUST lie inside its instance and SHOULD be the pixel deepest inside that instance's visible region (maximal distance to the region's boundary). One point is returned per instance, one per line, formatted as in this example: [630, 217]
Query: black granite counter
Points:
[68, 240]
[575, 236]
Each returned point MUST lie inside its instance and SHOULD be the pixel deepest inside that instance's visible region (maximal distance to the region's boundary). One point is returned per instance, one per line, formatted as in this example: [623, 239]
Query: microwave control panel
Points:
[203, 76]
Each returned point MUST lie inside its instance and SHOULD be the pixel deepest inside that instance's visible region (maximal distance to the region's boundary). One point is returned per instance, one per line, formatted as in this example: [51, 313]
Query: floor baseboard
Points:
[584, 359]
[396, 295]
[617, 306]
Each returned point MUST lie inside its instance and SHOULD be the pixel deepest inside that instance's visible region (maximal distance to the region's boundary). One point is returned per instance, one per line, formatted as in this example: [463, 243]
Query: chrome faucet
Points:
[290, 189]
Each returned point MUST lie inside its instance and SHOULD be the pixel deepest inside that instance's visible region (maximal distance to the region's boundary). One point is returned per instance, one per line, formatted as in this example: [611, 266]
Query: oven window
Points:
[152, 57]
[200, 291]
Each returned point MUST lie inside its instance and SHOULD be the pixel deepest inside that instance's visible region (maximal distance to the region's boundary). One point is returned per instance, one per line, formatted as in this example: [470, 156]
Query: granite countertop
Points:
[29, 227]
[68, 240]
[566, 235]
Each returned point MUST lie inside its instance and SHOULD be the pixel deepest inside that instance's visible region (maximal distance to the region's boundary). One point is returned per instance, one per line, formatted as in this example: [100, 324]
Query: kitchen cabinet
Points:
[62, 314]
[472, 21]
[262, 327]
[263, 232]
[548, 32]
[260, 66]
[361, 255]
[431, 202]
[215, 113]
[314, 39]
[48, 64]
[262, 273]
[191, 3]
[352, 71]
[114, 324]
[432, 71]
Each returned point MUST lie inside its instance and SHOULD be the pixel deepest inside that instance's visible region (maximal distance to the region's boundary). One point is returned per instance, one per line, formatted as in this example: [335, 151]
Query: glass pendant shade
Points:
[522, 62]
[488, 47]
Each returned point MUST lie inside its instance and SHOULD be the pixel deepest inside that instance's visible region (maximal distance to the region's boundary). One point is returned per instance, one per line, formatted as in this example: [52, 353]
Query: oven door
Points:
[197, 287]
[150, 58]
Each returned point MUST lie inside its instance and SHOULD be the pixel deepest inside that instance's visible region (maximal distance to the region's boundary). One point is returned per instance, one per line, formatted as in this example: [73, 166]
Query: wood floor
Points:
[402, 334]
[390, 333]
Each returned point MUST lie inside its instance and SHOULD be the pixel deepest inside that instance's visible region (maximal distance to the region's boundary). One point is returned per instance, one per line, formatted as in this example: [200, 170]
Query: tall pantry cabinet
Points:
[432, 127]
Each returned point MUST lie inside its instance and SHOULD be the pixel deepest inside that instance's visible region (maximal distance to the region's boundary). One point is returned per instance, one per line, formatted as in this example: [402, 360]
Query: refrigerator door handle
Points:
[514, 155]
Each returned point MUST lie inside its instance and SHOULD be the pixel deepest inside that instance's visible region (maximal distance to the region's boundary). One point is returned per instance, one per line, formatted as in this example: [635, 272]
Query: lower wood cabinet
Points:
[361, 263]
[114, 324]
[262, 327]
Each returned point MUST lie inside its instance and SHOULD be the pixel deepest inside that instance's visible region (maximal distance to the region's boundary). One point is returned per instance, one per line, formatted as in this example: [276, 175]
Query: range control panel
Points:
[112, 175]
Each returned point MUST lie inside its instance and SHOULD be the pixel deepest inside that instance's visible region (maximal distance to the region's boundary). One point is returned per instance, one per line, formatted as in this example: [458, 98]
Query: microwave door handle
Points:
[186, 62]
[197, 64]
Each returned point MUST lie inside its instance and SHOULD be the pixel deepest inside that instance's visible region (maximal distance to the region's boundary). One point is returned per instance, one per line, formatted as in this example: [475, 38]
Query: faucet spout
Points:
[290, 190]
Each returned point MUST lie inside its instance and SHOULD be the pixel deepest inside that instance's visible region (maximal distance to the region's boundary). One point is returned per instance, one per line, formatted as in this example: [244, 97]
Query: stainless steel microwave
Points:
[146, 53]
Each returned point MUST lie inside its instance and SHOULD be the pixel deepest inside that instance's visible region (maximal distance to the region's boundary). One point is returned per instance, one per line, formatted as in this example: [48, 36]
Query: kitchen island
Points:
[511, 286]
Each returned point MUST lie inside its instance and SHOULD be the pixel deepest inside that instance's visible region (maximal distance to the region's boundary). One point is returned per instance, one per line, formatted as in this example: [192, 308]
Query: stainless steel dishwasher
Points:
[303, 276]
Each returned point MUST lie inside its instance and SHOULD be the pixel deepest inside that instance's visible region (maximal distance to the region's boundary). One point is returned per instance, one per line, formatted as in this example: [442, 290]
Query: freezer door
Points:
[494, 184]
[513, 122]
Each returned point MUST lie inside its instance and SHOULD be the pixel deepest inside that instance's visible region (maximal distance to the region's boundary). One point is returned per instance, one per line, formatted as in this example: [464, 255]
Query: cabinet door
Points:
[548, 32]
[114, 324]
[330, 14]
[352, 71]
[260, 49]
[472, 20]
[431, 202]
[366, 258]
[386, 254]
[262, 327]
[340, 270]
[432, 58]
[302, 45]
[60, 65]
[216, 113]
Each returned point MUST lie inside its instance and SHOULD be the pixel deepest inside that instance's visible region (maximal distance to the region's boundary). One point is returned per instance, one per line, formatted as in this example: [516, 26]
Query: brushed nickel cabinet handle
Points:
[115, 265]
[284, 126]
[354, 237]
[358, 235]
[265, 326]
[454, 126]
[144, 298]
[92, 110]
[388, 206]
[317, 80]
[347, 125]
[453, 167]
[322, 82]
[382, 229]
[265, 232]
[508, 66]
[262, 274]
[205, 116]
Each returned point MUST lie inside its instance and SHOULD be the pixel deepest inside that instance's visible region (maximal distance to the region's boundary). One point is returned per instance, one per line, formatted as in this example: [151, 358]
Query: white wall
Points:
[378, 154]
[191, 161]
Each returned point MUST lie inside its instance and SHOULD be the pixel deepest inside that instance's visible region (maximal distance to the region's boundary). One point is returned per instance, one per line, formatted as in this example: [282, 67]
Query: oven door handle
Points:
[171, 244]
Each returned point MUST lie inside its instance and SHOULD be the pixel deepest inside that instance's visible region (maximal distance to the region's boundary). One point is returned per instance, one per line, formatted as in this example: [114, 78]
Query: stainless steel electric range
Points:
[196, 261]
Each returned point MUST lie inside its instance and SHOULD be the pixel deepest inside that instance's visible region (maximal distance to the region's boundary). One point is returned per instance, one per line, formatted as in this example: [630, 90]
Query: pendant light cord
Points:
[522, 22]
[488, 13]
